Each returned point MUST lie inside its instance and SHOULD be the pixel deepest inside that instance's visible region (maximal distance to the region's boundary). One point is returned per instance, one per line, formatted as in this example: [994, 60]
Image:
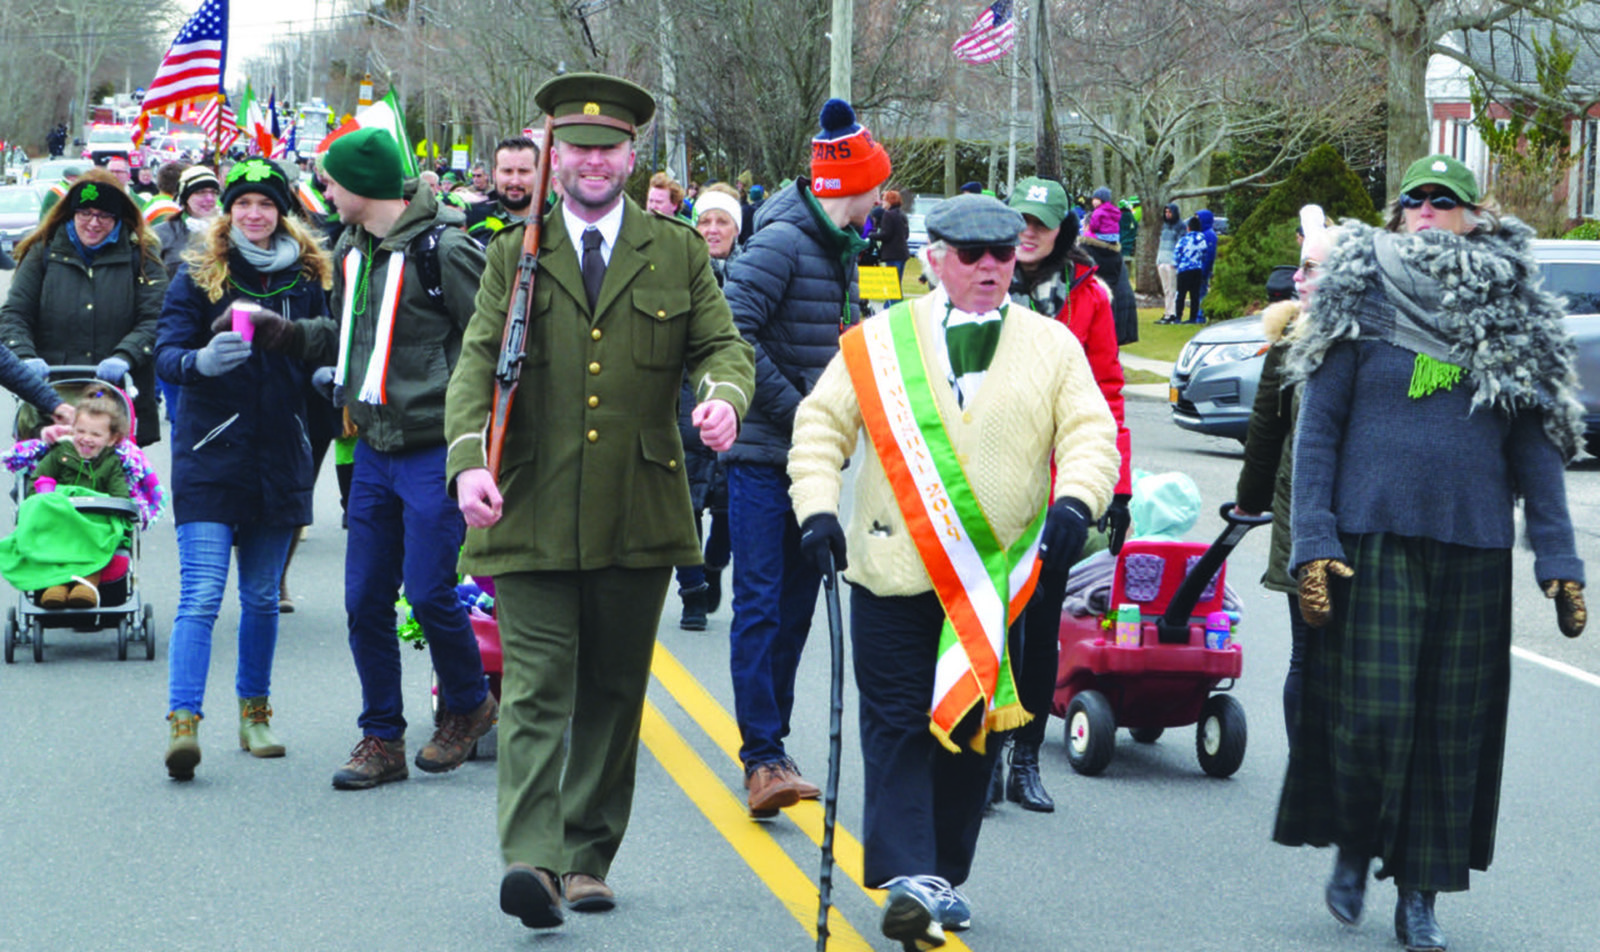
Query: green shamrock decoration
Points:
[252, 170]
[89, 193]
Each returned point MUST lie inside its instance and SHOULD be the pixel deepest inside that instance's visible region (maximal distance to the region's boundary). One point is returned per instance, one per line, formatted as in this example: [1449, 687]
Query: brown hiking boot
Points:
[771, 789]
[806, 789]
[373, 761]
[586, 893]
[455, 737]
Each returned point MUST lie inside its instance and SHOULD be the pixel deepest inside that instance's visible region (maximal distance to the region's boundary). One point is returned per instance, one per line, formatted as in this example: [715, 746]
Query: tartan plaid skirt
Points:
[1401, 738]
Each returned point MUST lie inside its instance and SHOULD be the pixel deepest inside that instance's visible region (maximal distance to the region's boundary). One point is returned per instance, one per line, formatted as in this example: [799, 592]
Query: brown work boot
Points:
[373, 761]
[531, 894]
[586, 893]
[806, 789]
[771, 789]
[455, 737]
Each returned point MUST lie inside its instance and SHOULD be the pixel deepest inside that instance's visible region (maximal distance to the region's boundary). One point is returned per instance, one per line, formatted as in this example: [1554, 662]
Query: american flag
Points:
[219, 122]
[992, 35]
[194, 63]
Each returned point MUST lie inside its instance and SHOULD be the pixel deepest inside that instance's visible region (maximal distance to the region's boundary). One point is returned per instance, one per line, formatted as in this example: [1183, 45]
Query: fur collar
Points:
[1503, 329]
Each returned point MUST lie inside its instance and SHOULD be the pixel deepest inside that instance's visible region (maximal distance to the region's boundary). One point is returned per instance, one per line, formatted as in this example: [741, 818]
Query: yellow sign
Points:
[880, 283]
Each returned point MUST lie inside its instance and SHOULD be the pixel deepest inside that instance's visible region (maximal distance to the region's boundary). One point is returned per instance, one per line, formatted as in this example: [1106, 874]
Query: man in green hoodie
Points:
[399, 340]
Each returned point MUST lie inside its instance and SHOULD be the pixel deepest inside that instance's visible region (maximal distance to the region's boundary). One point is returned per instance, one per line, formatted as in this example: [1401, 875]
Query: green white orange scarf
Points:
[982, 584]
[374, 382]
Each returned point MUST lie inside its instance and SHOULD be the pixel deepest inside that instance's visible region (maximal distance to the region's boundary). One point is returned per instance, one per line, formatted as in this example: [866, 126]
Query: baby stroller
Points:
[121, 605]
[1165, 675]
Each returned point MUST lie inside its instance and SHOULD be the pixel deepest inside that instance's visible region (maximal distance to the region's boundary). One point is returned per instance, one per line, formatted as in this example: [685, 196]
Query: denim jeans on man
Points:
[204, 550]
[774, 595]
[404, 526]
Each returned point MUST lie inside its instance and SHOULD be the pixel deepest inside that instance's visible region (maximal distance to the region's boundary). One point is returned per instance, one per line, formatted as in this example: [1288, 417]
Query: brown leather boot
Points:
[53, 597]
[85, 591]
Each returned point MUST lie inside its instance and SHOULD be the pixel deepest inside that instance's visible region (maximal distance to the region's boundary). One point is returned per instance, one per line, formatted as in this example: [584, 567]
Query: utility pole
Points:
[311, 61]
[843, 37]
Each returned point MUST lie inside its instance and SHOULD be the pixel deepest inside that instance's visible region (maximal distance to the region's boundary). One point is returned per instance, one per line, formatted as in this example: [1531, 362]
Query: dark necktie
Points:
[594, 266]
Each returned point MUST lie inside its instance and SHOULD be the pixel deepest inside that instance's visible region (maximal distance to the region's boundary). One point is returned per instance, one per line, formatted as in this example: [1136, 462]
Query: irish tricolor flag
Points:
[383, 114]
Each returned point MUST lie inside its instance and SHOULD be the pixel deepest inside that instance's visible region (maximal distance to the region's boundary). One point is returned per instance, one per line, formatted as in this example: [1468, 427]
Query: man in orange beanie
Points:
[792, 291]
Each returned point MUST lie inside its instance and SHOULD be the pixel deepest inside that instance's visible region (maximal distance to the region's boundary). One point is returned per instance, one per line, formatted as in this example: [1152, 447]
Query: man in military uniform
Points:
[591, 507]
[516, 175]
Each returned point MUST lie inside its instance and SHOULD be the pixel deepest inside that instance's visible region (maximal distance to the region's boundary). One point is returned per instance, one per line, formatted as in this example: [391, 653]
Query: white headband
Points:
[708, 201]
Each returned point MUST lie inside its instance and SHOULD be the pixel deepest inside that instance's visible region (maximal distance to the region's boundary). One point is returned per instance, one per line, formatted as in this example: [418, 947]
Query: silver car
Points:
[1213, 384]
[19, 214]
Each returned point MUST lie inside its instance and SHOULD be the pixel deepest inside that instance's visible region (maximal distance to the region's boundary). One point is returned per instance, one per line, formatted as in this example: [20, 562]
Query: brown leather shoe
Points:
[587, 893]
[771, 789]
[456, 736]
[806, 789]
[530, 894]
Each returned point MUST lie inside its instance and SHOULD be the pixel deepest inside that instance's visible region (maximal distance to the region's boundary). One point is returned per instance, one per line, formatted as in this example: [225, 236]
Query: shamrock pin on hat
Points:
[1443, 170]
[260, 176]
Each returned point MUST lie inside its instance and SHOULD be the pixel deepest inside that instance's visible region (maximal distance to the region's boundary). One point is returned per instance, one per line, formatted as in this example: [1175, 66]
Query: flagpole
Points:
[1011, 128]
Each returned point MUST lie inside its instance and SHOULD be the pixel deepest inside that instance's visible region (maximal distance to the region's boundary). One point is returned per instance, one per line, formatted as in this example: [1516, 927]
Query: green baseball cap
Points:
[1442, 170]
[594, 109]
[1041, 198]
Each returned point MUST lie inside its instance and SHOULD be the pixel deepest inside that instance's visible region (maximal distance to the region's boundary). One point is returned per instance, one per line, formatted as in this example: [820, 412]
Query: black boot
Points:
[1414, 924]
[997, 781]
[694, 609]
[1024, 786]
[713, 590]
[1347, 885]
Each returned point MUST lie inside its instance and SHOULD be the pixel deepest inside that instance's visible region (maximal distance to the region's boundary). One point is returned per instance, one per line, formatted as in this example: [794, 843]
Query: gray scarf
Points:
[1475, 301]
[283, 255]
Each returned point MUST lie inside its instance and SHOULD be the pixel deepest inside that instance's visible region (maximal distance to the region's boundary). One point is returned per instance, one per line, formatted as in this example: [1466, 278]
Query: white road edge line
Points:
[1558, 666]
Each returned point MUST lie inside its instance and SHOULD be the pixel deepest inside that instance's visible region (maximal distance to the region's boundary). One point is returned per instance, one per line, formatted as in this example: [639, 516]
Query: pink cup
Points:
[241, 319]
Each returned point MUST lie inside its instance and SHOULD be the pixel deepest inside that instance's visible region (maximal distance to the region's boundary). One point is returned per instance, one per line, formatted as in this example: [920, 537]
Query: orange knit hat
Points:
[845, 159]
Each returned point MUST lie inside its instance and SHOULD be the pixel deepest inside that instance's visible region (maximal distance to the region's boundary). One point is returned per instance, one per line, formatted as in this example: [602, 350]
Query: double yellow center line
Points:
[727, 812]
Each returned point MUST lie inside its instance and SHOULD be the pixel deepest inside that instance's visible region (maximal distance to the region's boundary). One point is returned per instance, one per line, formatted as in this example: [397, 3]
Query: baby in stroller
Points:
[64, 555]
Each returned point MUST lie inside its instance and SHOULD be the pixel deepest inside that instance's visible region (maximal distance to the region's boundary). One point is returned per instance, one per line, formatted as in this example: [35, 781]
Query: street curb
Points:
[1146, 391]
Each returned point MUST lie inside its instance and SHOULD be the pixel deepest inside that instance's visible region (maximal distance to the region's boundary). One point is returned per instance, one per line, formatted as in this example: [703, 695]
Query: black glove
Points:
[822, 536]
[273, 332]
[1571, 614]
[1066, 526]
[1117, 520]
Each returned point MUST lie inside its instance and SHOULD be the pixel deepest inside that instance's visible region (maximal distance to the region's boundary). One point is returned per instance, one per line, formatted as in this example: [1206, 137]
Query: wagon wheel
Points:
[1091, 733]
[1219, 738]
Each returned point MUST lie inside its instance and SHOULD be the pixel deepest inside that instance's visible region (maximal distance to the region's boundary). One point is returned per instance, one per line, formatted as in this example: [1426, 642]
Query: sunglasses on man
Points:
[971, 255]
[1441, 201]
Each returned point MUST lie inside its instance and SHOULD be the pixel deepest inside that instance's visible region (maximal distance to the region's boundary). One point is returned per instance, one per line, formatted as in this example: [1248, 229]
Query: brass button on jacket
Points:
[596, 333]
[594, 369]
[593, 436]
[593, 402]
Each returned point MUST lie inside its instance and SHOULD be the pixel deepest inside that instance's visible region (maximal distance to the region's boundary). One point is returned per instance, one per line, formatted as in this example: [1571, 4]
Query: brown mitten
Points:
[1316, 605]
[1571, 615]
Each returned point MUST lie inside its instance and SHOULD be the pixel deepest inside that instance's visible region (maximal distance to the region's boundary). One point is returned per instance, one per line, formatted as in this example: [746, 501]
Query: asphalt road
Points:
[100, 851]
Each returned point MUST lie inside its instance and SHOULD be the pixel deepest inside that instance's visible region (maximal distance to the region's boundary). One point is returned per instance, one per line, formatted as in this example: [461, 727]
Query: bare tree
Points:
[1404, 34]
[1148, 86]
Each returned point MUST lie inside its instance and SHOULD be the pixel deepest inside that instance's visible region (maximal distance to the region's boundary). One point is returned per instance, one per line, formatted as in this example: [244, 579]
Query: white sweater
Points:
[1038, 398]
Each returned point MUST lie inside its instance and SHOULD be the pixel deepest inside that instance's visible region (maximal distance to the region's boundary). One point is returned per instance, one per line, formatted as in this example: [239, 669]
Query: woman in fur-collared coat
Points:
[1437, 385]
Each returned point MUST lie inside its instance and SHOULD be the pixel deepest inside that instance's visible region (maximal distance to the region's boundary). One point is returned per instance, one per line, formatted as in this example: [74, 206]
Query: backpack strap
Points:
[424, 250]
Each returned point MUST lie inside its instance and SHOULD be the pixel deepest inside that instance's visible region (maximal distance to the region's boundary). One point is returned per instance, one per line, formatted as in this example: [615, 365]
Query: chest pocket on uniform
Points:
[662, 327]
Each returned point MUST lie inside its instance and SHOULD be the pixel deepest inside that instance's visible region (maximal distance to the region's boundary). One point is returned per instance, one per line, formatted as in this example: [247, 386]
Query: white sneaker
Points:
[908, 916]
[950, 907]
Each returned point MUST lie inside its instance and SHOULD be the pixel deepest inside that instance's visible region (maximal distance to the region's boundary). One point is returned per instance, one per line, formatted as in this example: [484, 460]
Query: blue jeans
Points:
[405, 527]
[204, 549]
[774, 595]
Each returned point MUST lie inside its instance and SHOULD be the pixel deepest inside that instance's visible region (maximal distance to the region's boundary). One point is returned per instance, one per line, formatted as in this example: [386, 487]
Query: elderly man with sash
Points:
[964, 398]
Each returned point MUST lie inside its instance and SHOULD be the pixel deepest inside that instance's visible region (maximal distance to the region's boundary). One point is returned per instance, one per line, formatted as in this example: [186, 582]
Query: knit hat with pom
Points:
[845, 159]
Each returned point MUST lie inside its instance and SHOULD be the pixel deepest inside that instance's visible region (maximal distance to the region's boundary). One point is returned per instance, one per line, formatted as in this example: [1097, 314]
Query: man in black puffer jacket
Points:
[791, 292]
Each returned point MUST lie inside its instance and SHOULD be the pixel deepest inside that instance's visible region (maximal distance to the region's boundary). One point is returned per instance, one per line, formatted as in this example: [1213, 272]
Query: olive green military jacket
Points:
[593, 472]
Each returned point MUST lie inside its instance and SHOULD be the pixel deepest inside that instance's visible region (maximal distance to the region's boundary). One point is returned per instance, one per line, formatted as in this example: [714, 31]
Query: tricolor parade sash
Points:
[982, 585]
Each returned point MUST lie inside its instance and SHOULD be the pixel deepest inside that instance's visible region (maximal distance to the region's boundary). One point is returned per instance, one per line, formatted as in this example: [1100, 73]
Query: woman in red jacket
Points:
[1056, 277]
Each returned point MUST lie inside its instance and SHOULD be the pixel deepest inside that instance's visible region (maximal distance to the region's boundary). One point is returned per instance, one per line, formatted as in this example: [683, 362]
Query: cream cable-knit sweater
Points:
[1038, 397]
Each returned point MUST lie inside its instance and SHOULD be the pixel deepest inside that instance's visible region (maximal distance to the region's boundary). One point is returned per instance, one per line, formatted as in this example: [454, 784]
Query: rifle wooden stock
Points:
[514, 341]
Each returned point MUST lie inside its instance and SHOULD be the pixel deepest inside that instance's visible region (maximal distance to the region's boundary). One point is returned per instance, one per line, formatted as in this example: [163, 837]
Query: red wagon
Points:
[1166, 677]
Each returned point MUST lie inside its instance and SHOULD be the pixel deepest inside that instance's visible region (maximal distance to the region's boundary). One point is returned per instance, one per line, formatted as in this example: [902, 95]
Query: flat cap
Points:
[974, 220]
[594, 109]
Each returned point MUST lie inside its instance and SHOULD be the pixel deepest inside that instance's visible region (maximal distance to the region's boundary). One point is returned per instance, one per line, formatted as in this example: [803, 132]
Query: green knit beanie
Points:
[366, 162]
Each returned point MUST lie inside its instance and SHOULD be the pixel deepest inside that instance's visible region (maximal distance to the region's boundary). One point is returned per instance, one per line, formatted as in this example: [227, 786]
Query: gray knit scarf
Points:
[1475, 301]
[283, 255]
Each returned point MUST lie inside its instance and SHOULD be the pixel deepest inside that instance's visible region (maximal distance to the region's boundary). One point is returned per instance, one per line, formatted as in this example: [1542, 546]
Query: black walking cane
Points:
[830, 796]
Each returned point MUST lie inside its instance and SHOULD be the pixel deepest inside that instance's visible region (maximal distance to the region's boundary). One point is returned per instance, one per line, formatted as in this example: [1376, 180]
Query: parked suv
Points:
[1213, 384]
